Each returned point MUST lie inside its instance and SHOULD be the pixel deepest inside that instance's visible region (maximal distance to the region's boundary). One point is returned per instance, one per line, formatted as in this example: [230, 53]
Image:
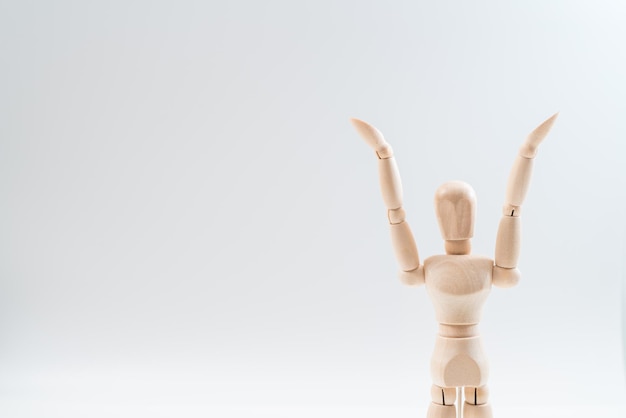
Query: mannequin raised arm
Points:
[411, 272]
[505, 272]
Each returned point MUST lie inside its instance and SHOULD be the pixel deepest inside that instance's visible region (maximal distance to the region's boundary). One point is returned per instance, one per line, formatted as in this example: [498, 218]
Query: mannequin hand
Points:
[529, 148]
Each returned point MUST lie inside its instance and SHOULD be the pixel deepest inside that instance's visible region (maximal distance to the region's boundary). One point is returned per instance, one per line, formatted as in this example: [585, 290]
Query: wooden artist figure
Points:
[457, 282]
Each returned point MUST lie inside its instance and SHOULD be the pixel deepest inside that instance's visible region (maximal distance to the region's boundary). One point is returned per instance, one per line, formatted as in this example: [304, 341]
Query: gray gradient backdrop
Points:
[189, 225]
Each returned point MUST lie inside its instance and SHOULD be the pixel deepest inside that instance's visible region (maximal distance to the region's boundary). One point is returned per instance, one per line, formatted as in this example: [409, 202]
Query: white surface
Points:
[131, 393]
[189, 223]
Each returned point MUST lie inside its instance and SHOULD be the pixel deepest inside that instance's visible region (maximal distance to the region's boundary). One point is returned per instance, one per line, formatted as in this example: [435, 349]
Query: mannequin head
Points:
[455, 204]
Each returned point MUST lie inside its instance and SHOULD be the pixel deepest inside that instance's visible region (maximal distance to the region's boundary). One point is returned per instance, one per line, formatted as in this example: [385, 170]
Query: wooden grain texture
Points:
[508, 242]
[441, 411]
[390, 183]
[458, 247]
[458, 287]
[412, 278]
[442, 396]
[404, 246]
[536, 137]
[505, 278]
[455, 205]
[476, 396]
[370, 134]
[519, 181]
[459, 362]
[477, 411]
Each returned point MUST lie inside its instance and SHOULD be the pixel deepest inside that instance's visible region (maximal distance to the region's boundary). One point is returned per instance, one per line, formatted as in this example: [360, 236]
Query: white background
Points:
[189, 226]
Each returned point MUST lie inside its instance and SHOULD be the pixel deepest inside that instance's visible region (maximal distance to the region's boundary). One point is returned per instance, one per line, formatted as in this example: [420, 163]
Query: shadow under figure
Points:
[457, 282]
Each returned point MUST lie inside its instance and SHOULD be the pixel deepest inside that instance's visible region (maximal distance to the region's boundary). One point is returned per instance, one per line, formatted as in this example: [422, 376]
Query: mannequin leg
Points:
[476, 403]
[442, 405]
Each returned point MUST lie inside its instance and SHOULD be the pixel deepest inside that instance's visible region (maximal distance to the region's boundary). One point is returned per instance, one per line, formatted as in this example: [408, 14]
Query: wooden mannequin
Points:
[457, 282]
